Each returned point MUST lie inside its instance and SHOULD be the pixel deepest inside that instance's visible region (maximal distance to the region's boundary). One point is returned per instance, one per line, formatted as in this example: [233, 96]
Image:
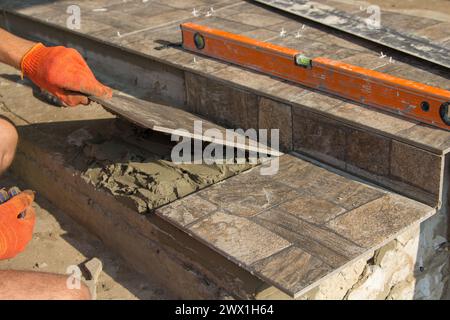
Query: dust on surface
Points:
[135, 165]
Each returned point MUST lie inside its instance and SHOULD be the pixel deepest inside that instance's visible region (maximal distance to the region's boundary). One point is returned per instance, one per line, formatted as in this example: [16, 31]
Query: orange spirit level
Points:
[411, 99]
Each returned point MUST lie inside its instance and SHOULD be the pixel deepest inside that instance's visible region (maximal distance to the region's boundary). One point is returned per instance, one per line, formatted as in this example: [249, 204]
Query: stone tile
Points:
[370, 60]
[256, 19]
[183, 4]
[331, 247]
[319, 137]
[436, 33]
[318, 101]
[312, 209]
[416, 167]
[287, 91]
[315, 48]
[405, 23]
[261, 34]
[433, 139]
[276, 115]
[155, 37]
[186, 210]
[246, 77]
[228, 106]
[368, 151]
[195, 62]
[312, 180]
[147, 9]
[224, 24]
[238, 238]
[378, 221]
[292, 269]
[371, 118]
[247, 196]
[291, 27]
[431, 77]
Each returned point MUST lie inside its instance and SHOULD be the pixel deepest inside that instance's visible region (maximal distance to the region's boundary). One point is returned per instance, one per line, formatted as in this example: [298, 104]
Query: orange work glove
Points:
[16, 231]
[64, 73]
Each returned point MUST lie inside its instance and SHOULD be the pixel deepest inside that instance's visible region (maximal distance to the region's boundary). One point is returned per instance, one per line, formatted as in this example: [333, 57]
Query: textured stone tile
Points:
[276, 115]
[261, 34]
[292, 269]
[405, 23]
[246, 77]
[436, 33]
[195, 62]
[319, 136]
[431, 77]
[291, 27]
[224, 24]
[238, 238]
[319, 101]
[371, 118]
[376, 222]
[331, 247]
[214, 100]
[436, 140]
[416, 167]
[256, 19]
[186, 210]
[191, 4]
[312, 209]
[368, 151]
[287, 91]
[312, 180]
[314, 48]
[247, 197]
[147, 9]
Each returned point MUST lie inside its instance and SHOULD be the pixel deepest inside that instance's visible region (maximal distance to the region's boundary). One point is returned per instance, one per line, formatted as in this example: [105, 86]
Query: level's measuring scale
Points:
[408, 98]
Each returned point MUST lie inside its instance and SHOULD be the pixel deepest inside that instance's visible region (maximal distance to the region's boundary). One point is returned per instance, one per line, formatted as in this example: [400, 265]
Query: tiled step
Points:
[297, 227]
[229, 239]
[402, 155]
[237, 235]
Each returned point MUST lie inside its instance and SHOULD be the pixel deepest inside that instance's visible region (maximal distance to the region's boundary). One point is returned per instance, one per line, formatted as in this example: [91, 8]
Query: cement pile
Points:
[135, 166]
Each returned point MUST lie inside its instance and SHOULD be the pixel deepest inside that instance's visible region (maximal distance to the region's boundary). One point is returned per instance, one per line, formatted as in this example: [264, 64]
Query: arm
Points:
[59, 70]
[13, 48]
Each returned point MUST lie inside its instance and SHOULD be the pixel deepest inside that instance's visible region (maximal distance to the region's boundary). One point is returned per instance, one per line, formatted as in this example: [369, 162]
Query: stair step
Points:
[294, 228]
[402, 155]
[227, 238]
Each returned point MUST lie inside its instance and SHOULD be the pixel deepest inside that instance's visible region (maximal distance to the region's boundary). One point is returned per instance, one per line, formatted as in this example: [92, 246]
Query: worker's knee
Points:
[8, 143]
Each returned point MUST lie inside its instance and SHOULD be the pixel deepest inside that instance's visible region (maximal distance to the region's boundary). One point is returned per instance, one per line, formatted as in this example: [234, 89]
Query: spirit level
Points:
[408, 98]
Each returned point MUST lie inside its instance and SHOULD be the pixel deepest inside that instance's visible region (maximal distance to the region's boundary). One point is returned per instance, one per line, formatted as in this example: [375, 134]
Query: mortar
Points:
[134, 165]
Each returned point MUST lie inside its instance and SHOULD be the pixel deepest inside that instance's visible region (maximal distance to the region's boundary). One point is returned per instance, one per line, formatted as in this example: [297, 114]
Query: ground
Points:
[59, 242]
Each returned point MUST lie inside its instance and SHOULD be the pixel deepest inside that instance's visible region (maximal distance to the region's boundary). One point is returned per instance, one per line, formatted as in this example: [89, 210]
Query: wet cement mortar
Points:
[134, 164]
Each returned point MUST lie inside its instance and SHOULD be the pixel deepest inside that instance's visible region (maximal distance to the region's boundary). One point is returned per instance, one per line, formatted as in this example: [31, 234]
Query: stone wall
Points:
[412, 266]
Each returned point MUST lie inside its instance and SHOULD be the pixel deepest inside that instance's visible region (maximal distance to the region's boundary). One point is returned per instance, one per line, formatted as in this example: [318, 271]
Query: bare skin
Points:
[22, 285]
[13, 48]
[9, 139]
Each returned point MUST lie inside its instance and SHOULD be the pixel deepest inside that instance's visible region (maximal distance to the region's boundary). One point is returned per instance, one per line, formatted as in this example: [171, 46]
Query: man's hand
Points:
[16, 229]
[64, 73]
